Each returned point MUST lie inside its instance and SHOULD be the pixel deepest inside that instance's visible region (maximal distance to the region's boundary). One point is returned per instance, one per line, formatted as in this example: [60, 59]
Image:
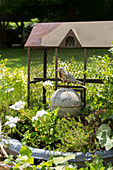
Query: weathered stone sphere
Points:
[67, 100]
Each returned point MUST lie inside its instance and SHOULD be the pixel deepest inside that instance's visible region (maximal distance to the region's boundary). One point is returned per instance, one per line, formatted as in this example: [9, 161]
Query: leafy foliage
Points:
[74, 135]
[60, 163]
[13, 87]
[45, 131]
[101, 95]
[49, 131]
[103, 134]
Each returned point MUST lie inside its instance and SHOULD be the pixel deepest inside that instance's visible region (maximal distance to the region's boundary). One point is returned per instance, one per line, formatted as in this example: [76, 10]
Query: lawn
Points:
[17, 57]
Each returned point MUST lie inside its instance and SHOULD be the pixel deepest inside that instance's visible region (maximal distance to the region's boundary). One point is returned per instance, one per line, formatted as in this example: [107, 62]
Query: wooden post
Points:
[85, 62]
[56, 53]
[28, 53]
[44, 76]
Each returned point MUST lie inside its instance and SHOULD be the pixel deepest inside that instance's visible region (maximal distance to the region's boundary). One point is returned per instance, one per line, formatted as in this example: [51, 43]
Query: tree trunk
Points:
[21, 29]
[0, 34]
[3, 26]
[3, 34]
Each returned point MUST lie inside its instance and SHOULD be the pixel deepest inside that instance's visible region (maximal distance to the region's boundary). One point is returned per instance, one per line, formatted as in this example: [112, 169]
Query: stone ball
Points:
[67, 100]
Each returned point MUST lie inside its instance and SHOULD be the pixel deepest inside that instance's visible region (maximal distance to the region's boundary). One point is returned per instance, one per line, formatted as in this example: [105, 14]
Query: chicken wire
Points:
[71, 59]
[94, 53]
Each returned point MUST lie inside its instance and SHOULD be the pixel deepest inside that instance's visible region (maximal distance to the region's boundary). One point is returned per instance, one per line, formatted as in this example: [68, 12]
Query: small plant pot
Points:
[13, 147]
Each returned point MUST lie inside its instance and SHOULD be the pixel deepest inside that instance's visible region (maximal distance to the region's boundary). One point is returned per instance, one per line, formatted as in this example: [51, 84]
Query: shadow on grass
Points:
[17, 57]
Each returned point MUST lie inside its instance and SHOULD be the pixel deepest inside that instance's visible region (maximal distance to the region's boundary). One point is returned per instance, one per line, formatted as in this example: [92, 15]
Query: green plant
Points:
[45, 131]
[13, 87]
[59, 163]
[62, 163]
[97, 163]
[49, 131]
[101, 96]
[103, 134]
[76, 135]
[23, 160]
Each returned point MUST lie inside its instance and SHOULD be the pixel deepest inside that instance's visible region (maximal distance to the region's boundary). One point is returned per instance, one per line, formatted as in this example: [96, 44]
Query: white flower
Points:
[63, 64]
[111, 50]
[34, 118]
[25, 165]
[70, 166]
[99, 56]
[8, 90]
[39, 114]
[12, 121]
[11, 125]
[23, 157]
[47, 84]
[0, 76]
[18, 105]
[0, 126]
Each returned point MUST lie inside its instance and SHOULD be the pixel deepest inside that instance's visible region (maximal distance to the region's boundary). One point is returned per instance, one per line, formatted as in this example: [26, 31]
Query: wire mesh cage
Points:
[76, 61]
[71, 45]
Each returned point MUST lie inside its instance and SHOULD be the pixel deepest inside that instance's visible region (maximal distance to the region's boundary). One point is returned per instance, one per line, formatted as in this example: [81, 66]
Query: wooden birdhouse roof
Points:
[71, 34]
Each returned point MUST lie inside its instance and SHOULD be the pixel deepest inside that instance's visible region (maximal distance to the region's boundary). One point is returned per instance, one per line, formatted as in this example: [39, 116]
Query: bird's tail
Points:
[79, 82]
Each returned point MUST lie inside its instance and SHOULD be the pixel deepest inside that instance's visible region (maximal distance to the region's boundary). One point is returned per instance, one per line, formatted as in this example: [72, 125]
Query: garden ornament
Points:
[66, 77]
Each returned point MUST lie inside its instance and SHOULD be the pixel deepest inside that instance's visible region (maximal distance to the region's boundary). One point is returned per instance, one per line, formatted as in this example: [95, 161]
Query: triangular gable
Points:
[58, 36]
[71, 39]
[86, 34]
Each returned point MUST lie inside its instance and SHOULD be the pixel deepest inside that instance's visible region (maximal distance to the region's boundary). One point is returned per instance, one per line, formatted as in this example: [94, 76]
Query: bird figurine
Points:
[66, 77]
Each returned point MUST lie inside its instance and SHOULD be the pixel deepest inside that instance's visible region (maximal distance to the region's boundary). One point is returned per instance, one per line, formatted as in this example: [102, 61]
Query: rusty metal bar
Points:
[79, 87]
[28, 98]
[53, 79]
[85, 61]
[56, 53]
[44, 76]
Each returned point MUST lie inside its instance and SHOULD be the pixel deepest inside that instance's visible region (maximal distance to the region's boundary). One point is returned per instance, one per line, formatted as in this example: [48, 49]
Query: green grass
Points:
[17, 57]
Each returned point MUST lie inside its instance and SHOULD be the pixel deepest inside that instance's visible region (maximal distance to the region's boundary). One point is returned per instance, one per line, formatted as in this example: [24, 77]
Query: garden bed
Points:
[90, 132]
[41, 154]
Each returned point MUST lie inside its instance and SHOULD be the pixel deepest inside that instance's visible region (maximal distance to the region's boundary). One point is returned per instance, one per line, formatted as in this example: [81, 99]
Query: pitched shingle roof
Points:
[88, 34]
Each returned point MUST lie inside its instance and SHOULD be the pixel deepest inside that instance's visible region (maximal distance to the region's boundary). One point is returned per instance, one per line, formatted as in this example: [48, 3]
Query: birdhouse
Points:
[65, 40]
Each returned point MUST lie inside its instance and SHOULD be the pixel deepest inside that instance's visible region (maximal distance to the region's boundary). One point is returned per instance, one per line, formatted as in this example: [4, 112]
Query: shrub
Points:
[13, 87]
[49, 131]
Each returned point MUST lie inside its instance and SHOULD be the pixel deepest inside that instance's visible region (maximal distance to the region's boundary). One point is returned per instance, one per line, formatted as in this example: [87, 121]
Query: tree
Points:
[53, 11]
[19, 11]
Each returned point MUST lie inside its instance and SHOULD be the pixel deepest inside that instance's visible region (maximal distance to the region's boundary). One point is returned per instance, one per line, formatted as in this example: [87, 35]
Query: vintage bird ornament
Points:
[66, 77]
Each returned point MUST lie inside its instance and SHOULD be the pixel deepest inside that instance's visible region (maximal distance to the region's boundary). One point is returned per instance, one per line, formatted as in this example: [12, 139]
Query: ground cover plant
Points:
[25, 161]
[36, 127]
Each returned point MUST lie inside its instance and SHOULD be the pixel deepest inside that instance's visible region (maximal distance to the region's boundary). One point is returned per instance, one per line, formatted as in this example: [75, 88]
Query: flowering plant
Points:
[18, 105]
[12, 121]
[43, 129]
[39, 114]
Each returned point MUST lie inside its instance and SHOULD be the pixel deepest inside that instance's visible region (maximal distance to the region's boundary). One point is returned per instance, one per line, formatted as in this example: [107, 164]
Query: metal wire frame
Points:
[80, 89]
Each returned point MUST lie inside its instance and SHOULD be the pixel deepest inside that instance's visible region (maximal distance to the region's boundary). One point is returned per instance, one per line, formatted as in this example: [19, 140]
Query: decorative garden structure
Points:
[69, 38]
